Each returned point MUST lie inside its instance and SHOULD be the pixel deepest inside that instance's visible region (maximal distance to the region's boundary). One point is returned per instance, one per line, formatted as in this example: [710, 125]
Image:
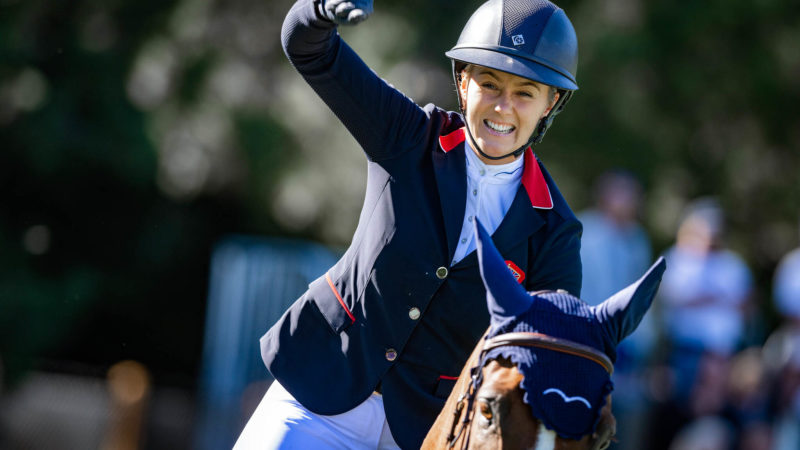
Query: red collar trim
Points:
[534, 182]
[450, 141]
[532, 177]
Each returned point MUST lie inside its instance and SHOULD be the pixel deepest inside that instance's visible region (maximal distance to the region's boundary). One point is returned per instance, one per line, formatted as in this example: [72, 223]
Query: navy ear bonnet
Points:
[566, 392]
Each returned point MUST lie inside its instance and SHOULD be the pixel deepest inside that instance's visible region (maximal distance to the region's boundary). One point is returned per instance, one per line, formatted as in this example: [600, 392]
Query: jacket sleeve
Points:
[383, 120]
[557, 264]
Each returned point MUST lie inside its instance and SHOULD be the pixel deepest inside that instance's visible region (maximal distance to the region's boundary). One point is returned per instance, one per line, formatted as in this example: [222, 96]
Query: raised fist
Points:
[345, 12]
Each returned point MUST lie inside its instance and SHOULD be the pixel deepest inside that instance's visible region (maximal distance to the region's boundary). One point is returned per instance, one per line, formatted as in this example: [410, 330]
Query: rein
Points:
[521, 339]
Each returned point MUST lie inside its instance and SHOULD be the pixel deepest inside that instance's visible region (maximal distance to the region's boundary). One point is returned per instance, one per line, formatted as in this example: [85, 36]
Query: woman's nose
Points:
[503, 103]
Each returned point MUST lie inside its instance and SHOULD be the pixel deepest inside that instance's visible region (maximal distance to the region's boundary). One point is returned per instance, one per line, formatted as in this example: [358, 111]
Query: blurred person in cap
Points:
[615, 250]
[703, 295]
[368, 355]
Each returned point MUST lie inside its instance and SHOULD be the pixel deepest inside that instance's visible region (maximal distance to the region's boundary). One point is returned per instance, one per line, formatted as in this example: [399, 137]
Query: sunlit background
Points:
[142, 140]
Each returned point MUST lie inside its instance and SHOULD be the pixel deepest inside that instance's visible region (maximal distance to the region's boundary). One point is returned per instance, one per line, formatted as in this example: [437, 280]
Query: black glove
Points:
[345, 12]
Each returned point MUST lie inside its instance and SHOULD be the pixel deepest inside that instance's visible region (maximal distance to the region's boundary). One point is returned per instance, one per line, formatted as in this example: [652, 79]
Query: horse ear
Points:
[504, 296]
[621, 313]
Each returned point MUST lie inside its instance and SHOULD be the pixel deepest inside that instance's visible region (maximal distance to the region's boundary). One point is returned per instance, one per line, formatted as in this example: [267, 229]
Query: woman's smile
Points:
[497, 128]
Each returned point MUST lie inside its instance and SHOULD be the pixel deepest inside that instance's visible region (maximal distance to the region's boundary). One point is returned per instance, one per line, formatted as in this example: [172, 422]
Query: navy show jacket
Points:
[393, 311]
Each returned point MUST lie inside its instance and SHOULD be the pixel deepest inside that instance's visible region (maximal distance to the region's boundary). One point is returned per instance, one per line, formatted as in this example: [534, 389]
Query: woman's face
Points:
[502, 110]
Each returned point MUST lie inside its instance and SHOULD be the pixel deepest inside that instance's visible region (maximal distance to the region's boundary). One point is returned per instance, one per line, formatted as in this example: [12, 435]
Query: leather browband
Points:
[550, 343]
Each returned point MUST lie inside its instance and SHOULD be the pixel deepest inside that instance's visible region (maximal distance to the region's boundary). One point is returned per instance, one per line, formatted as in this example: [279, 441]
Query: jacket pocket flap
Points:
[445, 386]
[331, 305]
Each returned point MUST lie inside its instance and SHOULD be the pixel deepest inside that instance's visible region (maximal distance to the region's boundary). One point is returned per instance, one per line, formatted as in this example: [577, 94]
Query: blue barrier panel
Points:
[252, 282]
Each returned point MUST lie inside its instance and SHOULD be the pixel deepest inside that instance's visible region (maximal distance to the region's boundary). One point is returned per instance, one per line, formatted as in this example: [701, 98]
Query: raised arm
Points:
[383, 120]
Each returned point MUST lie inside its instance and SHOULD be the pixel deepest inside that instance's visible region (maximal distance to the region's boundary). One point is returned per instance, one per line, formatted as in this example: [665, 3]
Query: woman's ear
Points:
[556, 96]
[463, 84]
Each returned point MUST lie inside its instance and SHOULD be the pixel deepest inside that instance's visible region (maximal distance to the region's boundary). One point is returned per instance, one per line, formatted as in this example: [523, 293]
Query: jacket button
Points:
[441, 273]
[413, 313]
[391, 354]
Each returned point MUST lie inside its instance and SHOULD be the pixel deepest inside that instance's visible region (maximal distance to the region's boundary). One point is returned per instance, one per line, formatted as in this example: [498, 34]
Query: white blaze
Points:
[546, 440]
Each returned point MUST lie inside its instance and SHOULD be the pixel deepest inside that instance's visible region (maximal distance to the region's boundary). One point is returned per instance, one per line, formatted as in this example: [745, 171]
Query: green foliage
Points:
[267, 153]
[135, 133]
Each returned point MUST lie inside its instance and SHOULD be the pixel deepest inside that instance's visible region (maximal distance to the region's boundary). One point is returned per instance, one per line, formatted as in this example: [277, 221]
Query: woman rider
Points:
[368, 355]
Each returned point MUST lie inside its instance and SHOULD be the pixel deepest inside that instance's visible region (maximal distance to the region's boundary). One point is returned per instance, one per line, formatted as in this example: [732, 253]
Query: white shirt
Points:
[490, 191]
[723, 279]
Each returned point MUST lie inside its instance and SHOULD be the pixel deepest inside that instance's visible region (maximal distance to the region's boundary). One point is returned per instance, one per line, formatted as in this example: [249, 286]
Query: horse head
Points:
[543, 376]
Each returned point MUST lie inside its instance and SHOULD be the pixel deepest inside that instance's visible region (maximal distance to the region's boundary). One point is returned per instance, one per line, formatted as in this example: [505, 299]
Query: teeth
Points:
[497, 127]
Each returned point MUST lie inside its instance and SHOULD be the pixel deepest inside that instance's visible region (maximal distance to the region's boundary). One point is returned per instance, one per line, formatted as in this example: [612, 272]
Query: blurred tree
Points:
[135, 133]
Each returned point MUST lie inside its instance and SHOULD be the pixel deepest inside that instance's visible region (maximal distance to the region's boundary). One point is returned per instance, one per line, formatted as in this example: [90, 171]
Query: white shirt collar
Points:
[496, 173]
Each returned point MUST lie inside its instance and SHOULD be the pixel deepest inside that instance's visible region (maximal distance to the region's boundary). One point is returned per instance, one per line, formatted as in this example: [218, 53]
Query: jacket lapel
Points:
[449, 164]
[522, 218]
[519, 223]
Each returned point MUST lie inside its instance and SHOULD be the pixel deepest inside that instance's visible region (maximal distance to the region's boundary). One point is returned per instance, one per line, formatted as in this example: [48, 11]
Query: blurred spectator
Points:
[702, 296]
[786, 287]
[748, 392]
[615, 251]
[705, 289]
[782, 352]
[782, 356]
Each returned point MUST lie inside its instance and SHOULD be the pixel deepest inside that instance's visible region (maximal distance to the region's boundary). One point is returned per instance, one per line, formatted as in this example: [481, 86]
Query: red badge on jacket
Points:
[519, 275]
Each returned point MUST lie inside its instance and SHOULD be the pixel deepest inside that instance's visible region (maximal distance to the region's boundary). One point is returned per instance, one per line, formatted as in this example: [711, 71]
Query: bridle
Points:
[520, 339]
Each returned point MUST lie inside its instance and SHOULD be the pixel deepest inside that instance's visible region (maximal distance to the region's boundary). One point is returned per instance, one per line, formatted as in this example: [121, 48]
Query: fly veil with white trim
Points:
[563, 347]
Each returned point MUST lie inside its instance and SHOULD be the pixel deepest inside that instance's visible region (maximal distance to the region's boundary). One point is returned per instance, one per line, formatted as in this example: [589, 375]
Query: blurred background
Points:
[168, 184]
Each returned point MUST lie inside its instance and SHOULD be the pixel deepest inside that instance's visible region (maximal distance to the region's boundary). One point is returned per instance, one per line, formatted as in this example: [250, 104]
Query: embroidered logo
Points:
[566, 398]
[519, 275]
[518, 39]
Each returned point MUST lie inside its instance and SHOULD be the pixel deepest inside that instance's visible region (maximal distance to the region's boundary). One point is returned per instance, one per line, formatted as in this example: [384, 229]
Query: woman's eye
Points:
[488, 86]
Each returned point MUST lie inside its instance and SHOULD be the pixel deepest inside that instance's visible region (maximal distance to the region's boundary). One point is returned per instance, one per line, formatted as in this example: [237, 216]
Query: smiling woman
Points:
[502, 110]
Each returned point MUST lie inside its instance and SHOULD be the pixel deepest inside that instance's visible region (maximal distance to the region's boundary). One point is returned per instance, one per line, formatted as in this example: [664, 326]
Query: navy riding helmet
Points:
[532, 39]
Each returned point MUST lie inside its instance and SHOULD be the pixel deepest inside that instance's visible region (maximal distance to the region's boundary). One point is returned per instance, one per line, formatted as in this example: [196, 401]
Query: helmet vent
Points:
[533, 15]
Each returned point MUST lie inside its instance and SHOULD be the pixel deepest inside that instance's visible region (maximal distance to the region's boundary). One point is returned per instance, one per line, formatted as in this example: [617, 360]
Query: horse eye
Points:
[486, 410]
